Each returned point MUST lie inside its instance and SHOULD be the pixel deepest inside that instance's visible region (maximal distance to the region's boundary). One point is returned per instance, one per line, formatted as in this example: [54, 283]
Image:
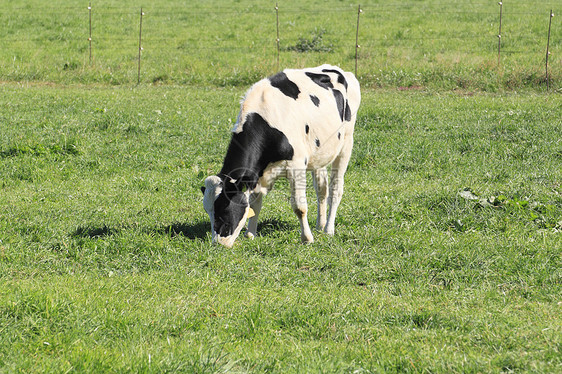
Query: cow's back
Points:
[315, 109]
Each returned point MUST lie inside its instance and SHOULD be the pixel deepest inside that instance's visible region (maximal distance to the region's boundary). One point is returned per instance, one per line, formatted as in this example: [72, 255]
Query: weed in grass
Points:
[315, 43]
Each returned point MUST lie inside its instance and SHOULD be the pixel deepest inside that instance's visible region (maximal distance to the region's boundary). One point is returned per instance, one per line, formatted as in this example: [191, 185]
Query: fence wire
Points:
[67, 27]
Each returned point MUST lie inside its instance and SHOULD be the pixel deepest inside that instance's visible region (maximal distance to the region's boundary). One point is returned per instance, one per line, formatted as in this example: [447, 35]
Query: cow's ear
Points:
[203, 190]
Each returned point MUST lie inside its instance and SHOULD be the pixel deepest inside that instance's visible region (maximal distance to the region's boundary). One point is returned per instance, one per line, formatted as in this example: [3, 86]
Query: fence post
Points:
[357, 46]
[500, 33]
[277, 40]
[90, 35]
[547, 51]
[140, 45]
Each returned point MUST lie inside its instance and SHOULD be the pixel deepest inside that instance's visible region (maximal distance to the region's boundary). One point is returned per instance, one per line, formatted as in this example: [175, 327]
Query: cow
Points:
[289, 123]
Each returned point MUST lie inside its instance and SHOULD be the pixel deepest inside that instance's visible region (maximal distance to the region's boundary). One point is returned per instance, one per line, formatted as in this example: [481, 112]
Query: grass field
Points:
[446, 257]
[427, 43]
[447, 253]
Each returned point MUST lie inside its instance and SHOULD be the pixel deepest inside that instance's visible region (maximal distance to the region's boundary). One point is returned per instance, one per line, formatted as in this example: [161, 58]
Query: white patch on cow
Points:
[212, 190]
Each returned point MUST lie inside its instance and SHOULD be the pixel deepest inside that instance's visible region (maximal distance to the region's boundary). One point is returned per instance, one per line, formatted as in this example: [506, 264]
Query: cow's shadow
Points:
[94, 231]
[200, 230]
[193, 231]
[269, 226]
[196, 231]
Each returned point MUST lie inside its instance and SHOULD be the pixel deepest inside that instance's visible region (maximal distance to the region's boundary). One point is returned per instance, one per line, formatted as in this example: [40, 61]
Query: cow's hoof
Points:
[249, 235]
[307, 240]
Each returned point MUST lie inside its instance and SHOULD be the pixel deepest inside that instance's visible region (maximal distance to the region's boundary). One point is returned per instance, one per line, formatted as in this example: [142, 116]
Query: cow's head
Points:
[228, 208]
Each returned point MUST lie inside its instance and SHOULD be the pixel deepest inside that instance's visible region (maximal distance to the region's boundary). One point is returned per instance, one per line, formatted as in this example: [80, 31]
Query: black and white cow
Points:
[290, 123]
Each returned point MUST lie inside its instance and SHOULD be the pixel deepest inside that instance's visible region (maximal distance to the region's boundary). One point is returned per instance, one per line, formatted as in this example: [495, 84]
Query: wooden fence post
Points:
[500, 33]
[277, 40]
[140, 46]
[547, 50]
[90, 35]
[357, 46]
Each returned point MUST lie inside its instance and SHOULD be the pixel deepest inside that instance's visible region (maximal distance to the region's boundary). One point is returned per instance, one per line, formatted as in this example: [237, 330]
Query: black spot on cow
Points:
[341, 78]
[339, 135]
[305, 161]
[340, 101]
[285, 85]
[323, 80]
[307, 129]
[347, 114]
[300, 213]
[253, 149]
[317, 142]
[315, 100]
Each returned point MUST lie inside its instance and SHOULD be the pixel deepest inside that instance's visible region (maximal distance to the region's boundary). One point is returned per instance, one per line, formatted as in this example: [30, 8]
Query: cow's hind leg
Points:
[339, 166]
[320, 180]
[255, 204]
[297, 179]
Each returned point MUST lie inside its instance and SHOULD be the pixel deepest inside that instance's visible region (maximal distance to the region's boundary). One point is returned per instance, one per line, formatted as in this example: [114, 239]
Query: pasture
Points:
[427, 43]
[447, 253]
[446, 256]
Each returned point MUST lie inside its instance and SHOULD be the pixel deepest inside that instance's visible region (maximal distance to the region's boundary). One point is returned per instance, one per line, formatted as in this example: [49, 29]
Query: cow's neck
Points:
[253, 149]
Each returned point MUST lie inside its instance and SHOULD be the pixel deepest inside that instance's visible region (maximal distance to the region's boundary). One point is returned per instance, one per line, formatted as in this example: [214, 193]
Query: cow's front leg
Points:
[336, 184]
[297, 179]
[255, 204]
[320, 178]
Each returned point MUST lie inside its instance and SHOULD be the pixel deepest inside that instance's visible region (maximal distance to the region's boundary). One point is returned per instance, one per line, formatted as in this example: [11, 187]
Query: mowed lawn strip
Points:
[446, 256]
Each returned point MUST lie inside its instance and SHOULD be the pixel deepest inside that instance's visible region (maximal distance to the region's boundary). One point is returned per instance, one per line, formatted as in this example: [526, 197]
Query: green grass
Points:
[426, 43]
[447, 253]
[446, 256]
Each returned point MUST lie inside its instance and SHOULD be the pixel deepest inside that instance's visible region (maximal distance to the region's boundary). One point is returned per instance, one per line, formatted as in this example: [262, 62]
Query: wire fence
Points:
[359, 35]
